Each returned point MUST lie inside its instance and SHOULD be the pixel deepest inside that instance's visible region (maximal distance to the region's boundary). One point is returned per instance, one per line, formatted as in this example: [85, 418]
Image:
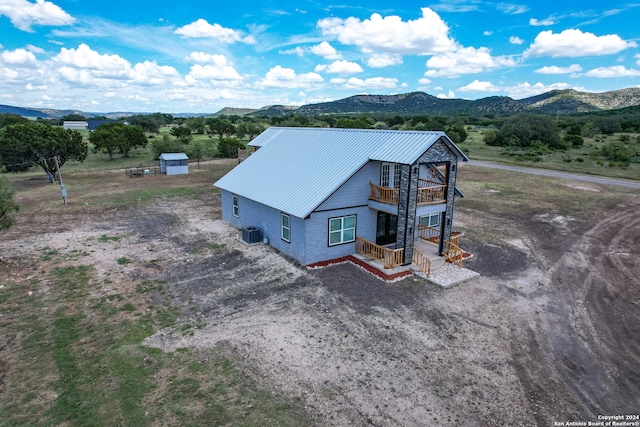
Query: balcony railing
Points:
[389, 257]
[428, 233]
[426, 195]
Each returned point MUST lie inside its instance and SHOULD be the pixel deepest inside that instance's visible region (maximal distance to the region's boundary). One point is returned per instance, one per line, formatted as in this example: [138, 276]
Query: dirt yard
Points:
[550, 332]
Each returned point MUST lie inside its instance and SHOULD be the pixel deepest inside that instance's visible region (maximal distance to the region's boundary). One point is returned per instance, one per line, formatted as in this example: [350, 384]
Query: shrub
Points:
[228, 147]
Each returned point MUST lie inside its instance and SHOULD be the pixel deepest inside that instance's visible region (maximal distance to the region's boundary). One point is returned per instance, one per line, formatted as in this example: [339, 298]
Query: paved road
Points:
[558, 174]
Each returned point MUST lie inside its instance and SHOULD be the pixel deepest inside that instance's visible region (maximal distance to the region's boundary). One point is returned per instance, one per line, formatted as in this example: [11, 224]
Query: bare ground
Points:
[549, 332]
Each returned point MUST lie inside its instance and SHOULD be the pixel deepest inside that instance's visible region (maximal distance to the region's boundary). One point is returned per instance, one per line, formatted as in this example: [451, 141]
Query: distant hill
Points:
[571, 101]
[415, 103]
[231, 111]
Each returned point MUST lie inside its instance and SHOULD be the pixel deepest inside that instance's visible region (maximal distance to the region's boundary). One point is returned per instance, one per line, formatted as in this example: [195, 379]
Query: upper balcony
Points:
[429, 192]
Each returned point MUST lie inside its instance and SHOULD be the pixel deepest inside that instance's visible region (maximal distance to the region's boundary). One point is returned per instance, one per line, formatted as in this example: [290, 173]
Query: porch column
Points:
[450, 177]
[408, 199]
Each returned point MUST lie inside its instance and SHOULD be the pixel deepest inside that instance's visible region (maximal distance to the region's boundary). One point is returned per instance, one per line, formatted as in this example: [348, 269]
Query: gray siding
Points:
[354, 192]
[317, 227]
[177, 170]
[253, 214]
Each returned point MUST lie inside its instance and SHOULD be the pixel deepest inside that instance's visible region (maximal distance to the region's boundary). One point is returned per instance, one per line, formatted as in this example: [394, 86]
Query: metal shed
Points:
[174, 163]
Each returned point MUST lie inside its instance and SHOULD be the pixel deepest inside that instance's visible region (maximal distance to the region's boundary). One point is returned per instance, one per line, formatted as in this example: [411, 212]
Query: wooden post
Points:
[64, 190]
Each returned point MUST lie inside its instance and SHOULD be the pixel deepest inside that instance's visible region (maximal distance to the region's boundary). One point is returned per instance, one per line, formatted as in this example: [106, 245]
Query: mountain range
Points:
[415, 103]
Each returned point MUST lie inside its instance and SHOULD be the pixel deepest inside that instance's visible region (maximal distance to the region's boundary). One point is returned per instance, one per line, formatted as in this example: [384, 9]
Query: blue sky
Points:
[199, 56]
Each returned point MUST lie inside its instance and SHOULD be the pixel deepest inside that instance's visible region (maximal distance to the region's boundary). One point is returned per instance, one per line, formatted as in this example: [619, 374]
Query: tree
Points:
[221, 127]
[249, 129]
[197, 125]
[148, 123]
[183, 133]
[25, 144]
[198, 150]
[522, 129]
[7, 119]
[112, 137]
[228, 147]
[166, 145]
[6, 205]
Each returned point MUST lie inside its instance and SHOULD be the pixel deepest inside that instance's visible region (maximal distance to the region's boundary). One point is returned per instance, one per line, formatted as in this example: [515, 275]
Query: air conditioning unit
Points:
[251, 235]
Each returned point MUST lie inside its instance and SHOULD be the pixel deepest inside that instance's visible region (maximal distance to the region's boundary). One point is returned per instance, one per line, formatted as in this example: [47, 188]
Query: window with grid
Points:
[342, 230]
[235, 205]
[285, 224]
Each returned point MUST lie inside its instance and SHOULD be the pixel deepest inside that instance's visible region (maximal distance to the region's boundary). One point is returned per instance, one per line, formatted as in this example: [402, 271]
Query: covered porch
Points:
[425, 256]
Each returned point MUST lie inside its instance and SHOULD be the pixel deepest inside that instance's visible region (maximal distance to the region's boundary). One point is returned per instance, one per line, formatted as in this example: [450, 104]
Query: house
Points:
[319, 194]
[75, 125]
[174, 163]
[94, 123]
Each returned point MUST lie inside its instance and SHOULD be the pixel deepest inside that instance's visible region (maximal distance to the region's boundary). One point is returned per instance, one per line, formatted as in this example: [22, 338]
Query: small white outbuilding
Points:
[174, 163]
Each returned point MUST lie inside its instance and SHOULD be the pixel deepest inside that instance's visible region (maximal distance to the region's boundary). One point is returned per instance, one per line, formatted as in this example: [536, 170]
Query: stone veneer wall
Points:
[437, 153]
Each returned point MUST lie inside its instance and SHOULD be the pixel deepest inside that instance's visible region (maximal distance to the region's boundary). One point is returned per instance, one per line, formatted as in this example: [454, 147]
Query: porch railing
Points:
[423, 183]
[389, 257]
[422, 261]
[433, 194]
[428, 233]
[426, 195]
[383, 194]
[453, 253]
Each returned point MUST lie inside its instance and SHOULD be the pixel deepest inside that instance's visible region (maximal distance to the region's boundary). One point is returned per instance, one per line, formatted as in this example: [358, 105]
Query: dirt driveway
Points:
[549, 332]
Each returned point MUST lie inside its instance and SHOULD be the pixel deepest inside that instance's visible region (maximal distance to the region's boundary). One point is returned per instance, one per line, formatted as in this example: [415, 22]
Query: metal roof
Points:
[173, 156]
[296, 169]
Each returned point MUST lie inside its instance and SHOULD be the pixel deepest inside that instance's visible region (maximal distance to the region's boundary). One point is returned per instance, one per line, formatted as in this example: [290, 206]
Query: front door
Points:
[386, 228]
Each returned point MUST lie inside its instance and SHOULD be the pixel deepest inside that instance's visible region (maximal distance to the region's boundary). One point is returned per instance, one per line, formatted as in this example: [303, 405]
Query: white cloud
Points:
[380, 60]
[287, 78]
[24, 14]
[424, 36]
[638, 58]
[340, 67]
[212, 72]
[487, 33]
[202, 58]
[424, 81]
[610, 72]
[84, 66]
[478, 86]
[512, 9]
[18, 57]
[46, 98]
[574, 43]
[468, 60]
[515, 40]
[574, 68]
[34, 49]
[295, 51]
[325, 50]
[202, 29]
[525, 90]
[371, 83]
[543, 23]
[31, 87]
[449, 95]
[150, 73]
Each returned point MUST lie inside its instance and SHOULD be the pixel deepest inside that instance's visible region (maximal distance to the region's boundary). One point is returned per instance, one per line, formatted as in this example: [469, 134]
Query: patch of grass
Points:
[70, 363]
[123, 260]
[105, 238]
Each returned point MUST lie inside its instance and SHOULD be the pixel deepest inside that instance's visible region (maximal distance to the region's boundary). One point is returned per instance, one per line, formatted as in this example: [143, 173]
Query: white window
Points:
[390, 175]
[235, 205]
[285, 225]
[342, 230]
[430, 220]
